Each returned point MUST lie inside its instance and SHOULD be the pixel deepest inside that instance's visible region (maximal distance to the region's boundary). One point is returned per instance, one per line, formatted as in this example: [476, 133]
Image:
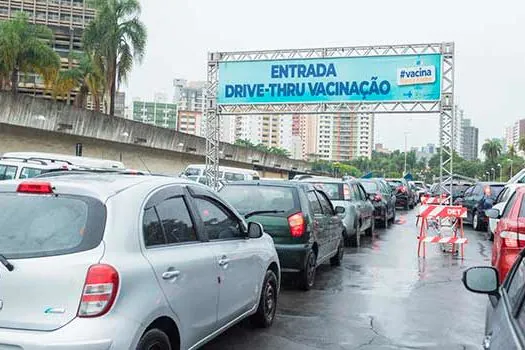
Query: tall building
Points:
[189, 122]
[269, 130]
[156, 113]
[66, 18]
[470, 134]
[514, 133]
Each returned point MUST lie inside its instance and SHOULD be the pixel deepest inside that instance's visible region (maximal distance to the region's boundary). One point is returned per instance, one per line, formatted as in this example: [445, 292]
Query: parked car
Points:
[383, 199]
[505, 317]
[195, 172]
[458, 189]
[415, 193]
[403, 192]
[358, 216]
[499, 203]
[477, 199]
[127, 262]
[421, 189]
[305, 227]
[509, 236]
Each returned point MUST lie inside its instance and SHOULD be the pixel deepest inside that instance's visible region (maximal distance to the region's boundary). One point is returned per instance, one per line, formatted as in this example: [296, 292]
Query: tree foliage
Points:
[118, 38]
[262, 148]
[24, 48]
[492, 150]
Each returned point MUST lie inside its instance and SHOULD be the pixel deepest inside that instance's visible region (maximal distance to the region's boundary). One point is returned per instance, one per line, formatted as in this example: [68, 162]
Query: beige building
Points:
[66, 18]
[190, 122]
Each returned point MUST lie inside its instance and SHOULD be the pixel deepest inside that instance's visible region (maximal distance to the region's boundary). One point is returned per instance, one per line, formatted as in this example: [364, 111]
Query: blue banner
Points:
[407, 78]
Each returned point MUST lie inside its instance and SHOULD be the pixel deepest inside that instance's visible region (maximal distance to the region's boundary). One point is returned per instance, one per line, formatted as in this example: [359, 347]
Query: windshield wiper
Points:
[257, 212]
[6, 263]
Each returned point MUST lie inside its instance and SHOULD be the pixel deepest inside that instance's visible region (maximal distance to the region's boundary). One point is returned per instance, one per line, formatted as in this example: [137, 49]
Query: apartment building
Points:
[470, 135]
[514, 133]
[157, 113]
[189, 122]
[66, 18]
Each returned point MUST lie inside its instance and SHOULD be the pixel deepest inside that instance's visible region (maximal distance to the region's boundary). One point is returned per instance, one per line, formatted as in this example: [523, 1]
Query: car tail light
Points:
[378, 197]
[100, 291]
[35, 187]
[297, 224]
[510, 243]
[346, 193]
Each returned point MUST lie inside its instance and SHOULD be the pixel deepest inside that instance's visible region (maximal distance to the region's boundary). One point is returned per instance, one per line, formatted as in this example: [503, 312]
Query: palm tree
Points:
[521, 144]
[492, 149]
[512, 151]
[24, 48]
[86, 76]
[118, 37]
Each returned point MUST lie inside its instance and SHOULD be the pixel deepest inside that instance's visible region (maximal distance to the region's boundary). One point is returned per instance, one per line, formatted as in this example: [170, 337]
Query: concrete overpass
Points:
[31, 124]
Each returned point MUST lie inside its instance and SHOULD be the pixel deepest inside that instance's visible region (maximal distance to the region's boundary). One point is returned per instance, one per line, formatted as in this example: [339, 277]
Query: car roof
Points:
[321, 179]
[29, 164]
[100, 186]
[492, 183]
[279, 183]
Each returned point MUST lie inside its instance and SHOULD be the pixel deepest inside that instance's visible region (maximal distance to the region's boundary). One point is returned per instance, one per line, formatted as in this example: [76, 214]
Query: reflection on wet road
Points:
[382, 297]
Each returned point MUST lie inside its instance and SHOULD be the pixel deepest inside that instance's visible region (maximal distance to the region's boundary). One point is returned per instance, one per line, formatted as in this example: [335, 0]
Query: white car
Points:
[501, 202]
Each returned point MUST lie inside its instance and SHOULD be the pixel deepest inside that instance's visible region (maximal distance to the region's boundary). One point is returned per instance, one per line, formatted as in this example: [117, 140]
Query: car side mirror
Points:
[340, 210]
[492, 213]
[481, 279]
[255, 230]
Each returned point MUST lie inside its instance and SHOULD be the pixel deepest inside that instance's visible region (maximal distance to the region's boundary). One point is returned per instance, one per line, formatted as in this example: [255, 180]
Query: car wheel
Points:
[265, 314]
[338, 257]
[385, 221]
[308, 274]
[371, 229]
[406, 206]
[475, 222]
[394, 216]
[154, 339]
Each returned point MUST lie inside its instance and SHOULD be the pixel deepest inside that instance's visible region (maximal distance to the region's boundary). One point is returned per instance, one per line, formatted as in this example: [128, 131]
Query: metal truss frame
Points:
[445, 107]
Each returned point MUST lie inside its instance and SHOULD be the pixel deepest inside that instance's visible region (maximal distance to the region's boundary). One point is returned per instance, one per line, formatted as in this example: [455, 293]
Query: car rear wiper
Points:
[6, 263]
[257, 212]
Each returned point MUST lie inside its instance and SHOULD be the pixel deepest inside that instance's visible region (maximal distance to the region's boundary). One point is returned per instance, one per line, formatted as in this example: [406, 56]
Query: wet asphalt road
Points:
[382, 297]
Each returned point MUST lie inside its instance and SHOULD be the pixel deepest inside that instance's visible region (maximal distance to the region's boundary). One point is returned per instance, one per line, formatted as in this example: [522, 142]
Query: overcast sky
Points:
[489, 37]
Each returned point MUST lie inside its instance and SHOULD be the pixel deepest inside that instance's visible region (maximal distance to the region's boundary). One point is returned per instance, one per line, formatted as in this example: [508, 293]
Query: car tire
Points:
[371, 229]
[353, 240]
[393, 220]
[338, 257]
[476, 225]
[265, 314]
[308, 274]
[154, 339]
[406, 207]
[386, 221]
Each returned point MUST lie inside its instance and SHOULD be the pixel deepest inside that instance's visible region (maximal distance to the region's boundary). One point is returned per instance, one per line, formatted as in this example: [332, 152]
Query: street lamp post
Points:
[488, 175]
[510, 169]
[500, 173]
[405, 172]
[493, 171]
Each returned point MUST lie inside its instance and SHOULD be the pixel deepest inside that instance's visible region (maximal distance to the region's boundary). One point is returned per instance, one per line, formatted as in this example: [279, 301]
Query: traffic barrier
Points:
[427, 199]
[438, 219]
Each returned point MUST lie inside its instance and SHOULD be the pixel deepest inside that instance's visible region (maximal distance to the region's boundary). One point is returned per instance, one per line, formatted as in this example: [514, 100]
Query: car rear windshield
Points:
[34, 226]
[248, 198]
[334, 191]
[370, 187]
[395, 183]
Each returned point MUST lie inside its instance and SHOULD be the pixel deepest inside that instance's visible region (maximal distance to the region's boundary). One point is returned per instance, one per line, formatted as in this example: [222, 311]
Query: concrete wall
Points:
[30, 124]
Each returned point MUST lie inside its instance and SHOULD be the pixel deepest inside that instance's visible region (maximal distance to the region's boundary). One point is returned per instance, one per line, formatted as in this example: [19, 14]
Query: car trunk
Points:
[44, 293]
[51, 240]
[275, 226]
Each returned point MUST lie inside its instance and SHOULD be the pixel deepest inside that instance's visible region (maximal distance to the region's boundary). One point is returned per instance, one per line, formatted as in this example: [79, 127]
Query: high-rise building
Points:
[156, 113]
[269, 130]
[470, 134]
[189, 122]
[66, 18]
[514, 133]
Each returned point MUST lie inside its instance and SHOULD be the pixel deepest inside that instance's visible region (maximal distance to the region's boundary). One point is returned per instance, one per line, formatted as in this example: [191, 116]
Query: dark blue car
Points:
[477, 199]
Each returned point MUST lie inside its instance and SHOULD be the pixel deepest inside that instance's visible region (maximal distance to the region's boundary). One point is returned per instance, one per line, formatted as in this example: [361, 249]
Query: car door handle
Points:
[170, 275]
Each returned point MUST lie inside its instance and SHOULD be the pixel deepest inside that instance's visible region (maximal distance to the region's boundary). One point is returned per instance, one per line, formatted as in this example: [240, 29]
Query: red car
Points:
[509, 236]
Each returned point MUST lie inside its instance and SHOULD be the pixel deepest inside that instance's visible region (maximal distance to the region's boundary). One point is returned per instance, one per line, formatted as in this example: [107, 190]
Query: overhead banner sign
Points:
[408, 78]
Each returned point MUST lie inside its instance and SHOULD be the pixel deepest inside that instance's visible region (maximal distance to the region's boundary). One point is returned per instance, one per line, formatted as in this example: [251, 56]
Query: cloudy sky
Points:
[489, 37]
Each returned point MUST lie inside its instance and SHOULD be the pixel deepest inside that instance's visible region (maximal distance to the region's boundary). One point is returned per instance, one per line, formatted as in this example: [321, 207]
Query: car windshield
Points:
[395, 183]
[37, 226]
[192, 172]
[370, 187]
[248, 198]
[334, 191]
[233, 176]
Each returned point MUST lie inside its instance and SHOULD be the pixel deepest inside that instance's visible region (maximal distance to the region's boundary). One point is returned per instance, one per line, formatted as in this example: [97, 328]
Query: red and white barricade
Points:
[427, 199]
[446, 222]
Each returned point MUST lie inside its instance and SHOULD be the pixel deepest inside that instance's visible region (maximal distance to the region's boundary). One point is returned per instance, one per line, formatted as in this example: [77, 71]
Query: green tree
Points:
[521, 144]
[492, 150]
[86, 75]
[511, 151]
[118, 37]
[24, 48]
[244, 143]
[279, 151]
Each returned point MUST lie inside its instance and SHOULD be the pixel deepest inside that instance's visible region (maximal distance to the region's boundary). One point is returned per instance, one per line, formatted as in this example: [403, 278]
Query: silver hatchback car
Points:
[127, 262]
